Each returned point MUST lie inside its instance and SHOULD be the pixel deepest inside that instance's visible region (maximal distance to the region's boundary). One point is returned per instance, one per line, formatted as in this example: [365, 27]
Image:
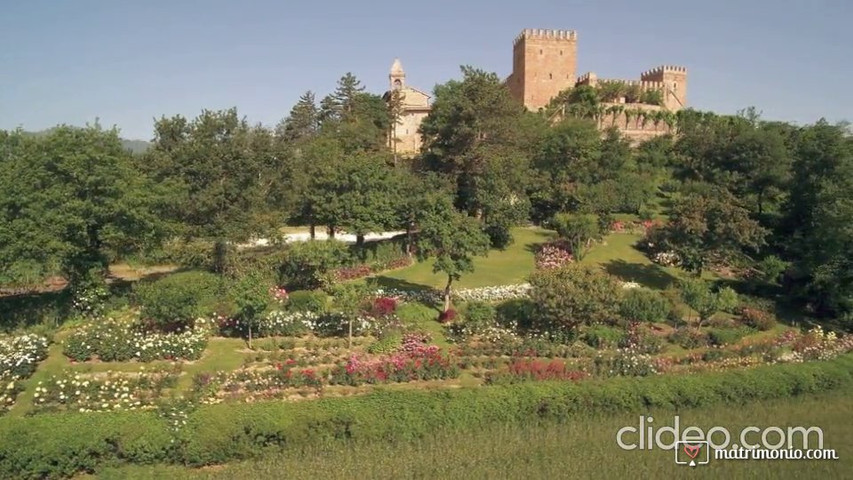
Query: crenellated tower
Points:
[674, 80]
[544, 63]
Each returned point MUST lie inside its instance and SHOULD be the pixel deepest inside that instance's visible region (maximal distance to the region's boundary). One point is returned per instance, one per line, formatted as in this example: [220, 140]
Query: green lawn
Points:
[618, 256]
[576, 448]
[512, 265]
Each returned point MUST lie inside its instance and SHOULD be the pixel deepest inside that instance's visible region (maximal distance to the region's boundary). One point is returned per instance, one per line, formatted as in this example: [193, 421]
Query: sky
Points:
[127, 63]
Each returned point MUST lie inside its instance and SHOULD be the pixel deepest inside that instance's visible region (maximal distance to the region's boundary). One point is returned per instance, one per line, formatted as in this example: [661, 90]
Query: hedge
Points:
[56, 445]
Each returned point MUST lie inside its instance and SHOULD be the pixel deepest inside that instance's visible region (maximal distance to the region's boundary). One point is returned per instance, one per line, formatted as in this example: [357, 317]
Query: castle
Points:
[544, 63]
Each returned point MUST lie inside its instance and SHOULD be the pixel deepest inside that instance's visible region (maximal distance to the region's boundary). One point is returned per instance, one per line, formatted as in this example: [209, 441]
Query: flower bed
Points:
[107, 392]
[19, 357]
[281, 323]
[420, 362]
[119, 340]
[525, 369]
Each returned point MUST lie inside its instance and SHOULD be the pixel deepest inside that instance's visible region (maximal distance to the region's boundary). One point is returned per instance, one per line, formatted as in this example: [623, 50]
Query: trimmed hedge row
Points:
[60, 445]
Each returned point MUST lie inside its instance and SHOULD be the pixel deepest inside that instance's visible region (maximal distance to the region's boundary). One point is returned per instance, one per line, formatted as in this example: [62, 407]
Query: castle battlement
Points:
[663, 68]
[569, 35]
[586, 78]
[643, 84]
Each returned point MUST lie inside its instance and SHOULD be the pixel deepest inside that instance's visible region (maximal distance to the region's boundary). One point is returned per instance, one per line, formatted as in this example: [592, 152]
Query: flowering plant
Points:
[525, 369]
[423, 362]
[279, 294]
[124, 339]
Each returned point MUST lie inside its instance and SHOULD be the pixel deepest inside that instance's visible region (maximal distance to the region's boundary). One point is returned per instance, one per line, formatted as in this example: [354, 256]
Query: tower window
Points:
[550, 76]
[561, 52]
[540, 51]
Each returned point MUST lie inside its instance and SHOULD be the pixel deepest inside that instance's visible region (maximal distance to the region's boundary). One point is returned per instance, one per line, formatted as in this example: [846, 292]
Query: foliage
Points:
[75, 194]
[710, 226]
[578, 230]
[689, 337]
[603, 336]
[478, 316]
[308, 301]
[173, 302]
[308, 265]
[453, 238]
[757, 318]
[643, 305]
[573, 295]
[552, 255]
[252, 298]
[727, 336]
[697, 294]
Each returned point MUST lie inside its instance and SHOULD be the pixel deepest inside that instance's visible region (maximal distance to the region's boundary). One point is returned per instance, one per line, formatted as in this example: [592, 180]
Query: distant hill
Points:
[135, 146]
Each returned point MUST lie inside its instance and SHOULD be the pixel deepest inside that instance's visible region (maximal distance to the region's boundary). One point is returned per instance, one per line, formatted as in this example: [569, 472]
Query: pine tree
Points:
[303, 120]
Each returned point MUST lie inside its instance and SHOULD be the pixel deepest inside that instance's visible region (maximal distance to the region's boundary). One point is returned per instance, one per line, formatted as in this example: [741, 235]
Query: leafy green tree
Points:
[216, 172]
[454, 239]
[709, 225]
[252, 299]
[573, 295]
[578, 230]
[818, 226]
[347, 299]
[68, 201]
[697, 294]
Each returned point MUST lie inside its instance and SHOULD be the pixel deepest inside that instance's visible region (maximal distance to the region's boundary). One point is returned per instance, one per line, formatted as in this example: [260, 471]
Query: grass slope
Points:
[578, 448]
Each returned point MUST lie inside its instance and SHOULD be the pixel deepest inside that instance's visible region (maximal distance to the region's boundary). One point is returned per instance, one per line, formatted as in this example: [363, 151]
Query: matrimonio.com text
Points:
[694, 446]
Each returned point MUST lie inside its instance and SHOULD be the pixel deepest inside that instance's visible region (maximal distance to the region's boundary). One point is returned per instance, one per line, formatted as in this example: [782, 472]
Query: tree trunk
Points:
[447, 294]
[331, 231]
[250, 335]
[313, 230]
[220, 249]
[359, 240]
[409, 239]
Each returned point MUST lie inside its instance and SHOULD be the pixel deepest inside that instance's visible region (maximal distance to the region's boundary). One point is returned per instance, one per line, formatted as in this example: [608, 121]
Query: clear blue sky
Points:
[129, 62]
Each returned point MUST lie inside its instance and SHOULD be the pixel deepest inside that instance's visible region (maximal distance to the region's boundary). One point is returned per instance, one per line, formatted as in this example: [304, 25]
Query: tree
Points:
[303, 121]
[708, 225]
[217, 174]
[252, 298]
[347, 299]
[68, 201]
[818, 227]
[578, 230]
[453, 238]
[573, 295]
[697, 294]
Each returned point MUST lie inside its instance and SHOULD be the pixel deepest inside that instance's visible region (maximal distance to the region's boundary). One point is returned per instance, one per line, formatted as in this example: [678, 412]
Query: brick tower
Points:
[544, 63]
[674, 79]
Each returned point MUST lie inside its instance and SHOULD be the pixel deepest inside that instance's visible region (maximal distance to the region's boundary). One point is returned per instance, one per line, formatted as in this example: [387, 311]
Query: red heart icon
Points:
[692, 450]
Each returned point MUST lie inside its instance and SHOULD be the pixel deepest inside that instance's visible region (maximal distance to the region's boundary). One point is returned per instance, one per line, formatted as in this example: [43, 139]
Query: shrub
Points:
[387, 344]
[603, 336]
[553, 255]
[642, 340]
[517, 311]
[383, 306]
[524, 369]
[175, 301]
[644, 305]
[121, 340]
[689, 337]
[447, 315]
[479, 315]
[727, 336]
[307, 301]
[578, 230]
[187, 253]
[20, 355]
[757, 319]
[573, 295]
[310, 265]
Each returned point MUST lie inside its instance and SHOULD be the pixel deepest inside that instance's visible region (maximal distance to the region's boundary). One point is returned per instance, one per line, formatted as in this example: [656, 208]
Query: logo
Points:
[692, 453]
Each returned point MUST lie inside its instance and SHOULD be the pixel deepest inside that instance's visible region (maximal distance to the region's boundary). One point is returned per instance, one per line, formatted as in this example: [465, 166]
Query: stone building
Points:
[404, 138]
